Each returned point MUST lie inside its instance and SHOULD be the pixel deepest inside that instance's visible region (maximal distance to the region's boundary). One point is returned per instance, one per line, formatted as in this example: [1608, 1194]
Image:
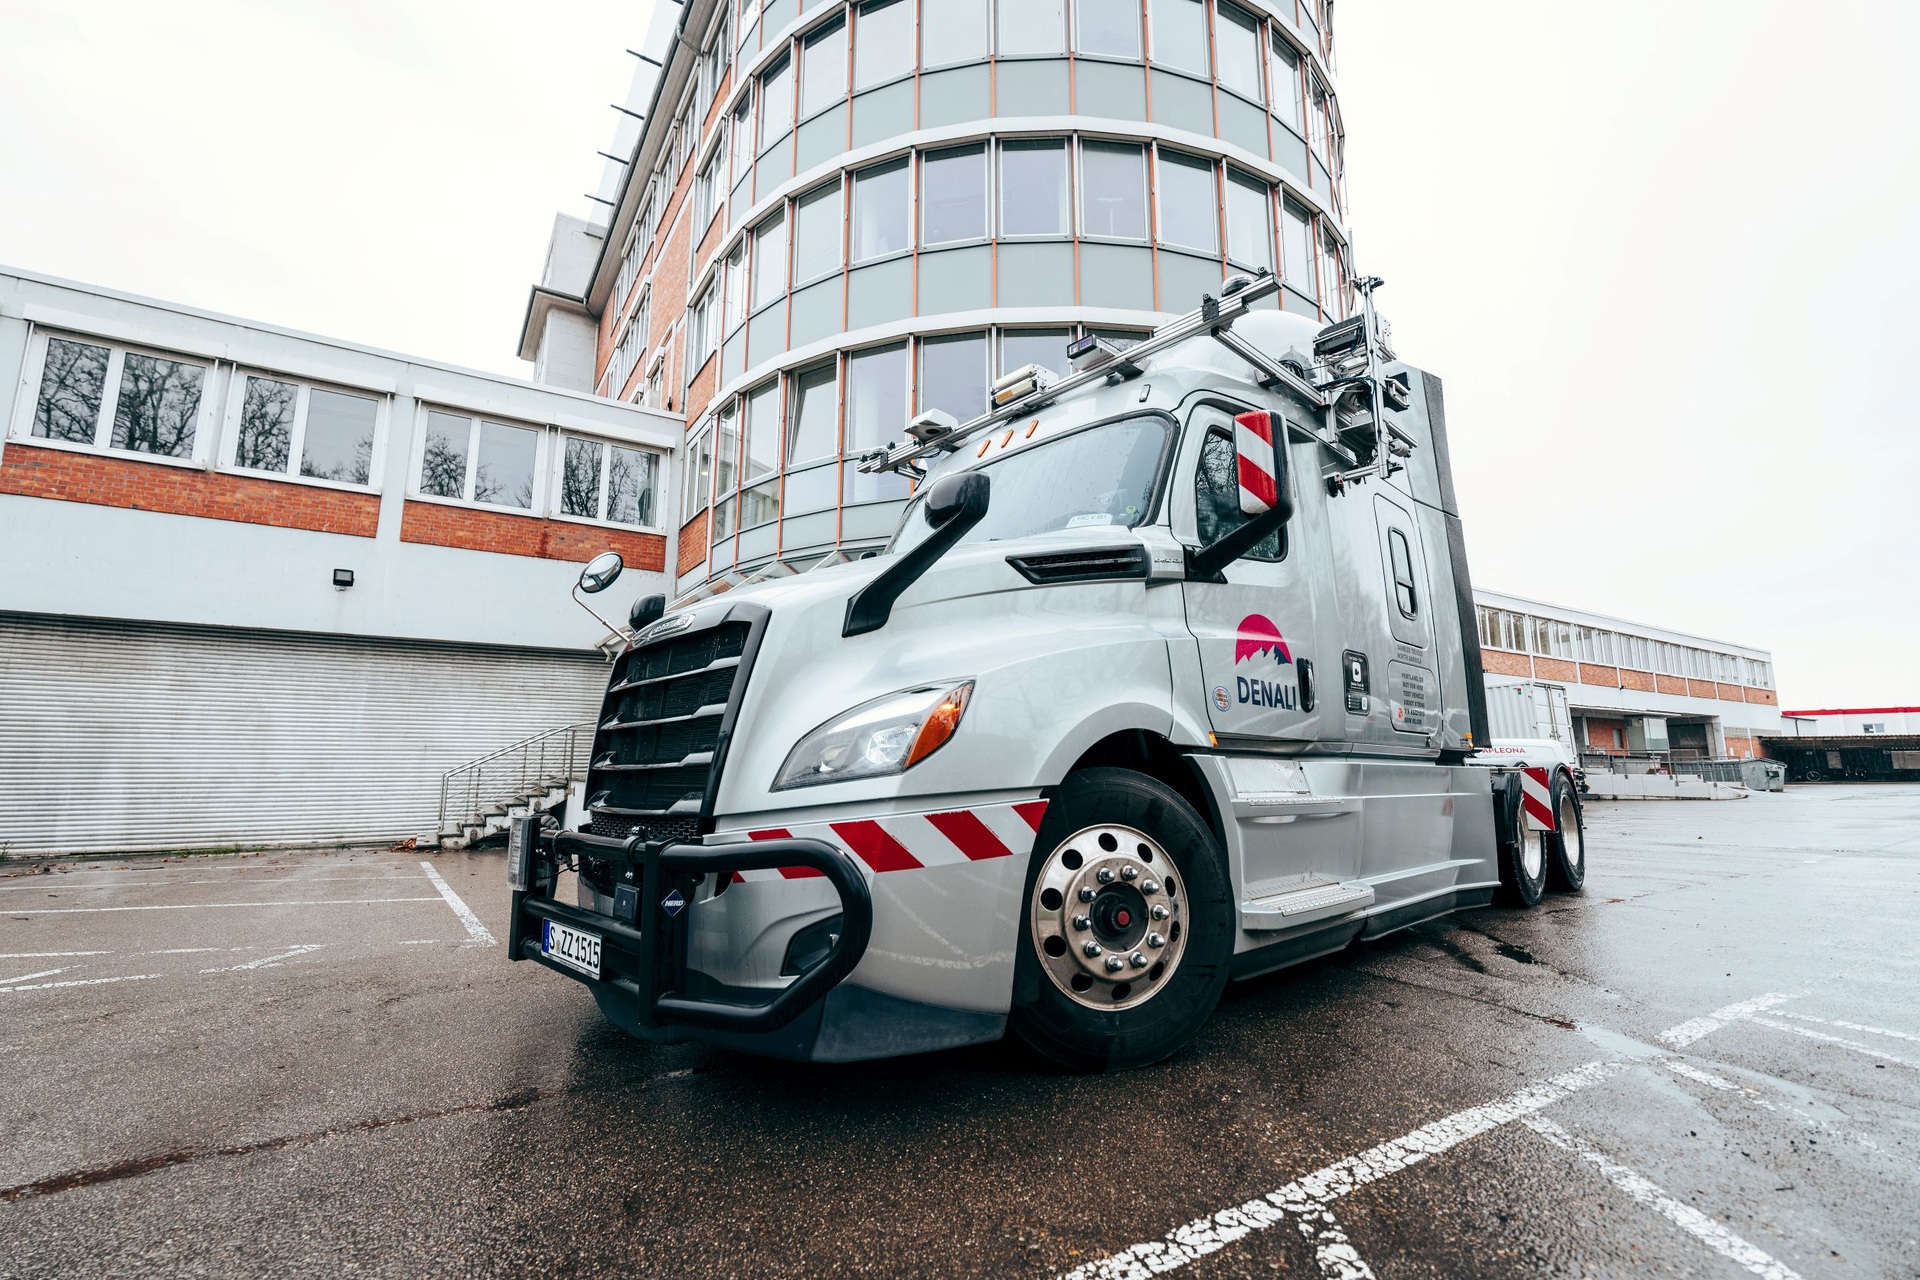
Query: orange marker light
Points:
[983, 447]
[1007, 437]
[940, 724]
[1031, 428]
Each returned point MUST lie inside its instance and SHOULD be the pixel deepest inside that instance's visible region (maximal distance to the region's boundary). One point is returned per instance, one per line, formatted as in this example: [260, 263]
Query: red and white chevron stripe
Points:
[909, 841]
[1536, 798]
[1253, 442]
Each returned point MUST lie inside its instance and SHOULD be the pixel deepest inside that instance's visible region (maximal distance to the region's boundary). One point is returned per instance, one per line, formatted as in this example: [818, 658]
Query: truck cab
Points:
[1168, 677]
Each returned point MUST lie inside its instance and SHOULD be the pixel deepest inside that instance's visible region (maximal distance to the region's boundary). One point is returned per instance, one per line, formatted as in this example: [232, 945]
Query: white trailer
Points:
[1170, 676]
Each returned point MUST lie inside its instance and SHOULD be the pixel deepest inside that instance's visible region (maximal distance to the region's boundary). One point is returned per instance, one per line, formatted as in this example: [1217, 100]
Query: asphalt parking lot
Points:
[1708, 1064]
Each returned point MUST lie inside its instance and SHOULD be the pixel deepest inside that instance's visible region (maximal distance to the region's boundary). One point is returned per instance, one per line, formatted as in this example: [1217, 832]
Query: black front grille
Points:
[1082, 566]
[661, 735]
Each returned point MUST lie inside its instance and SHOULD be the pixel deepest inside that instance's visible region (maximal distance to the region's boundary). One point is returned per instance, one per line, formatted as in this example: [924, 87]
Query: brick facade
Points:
[1671, 684]
[1556, 670]
[496, 531]
[1599, 677]
[1502, 663]
[1600, 735]
[1764, 696]
[37, 472]
[1638, 681]
[693, 543]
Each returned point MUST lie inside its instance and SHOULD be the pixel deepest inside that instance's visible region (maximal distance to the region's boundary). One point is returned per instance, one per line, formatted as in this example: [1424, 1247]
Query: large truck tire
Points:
[1126, 935]
[1566, 847]
[1522, 856]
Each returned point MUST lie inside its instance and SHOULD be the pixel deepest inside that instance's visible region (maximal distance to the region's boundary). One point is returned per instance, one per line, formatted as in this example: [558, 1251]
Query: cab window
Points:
[1216, 497]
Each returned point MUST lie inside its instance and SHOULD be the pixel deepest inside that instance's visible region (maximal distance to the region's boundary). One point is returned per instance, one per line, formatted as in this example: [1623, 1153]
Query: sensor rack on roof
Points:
[1214, 319]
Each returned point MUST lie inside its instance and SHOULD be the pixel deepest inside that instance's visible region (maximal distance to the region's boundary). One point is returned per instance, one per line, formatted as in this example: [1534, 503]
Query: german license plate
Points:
[571, 947]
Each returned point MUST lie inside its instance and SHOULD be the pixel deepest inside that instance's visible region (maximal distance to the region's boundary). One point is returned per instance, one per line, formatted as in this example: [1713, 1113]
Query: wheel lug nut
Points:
[1092, 949]
[1149, 886]
[1087, 894]
[1139, 960]
[1160, 911]
[1115, 964]
[1104, 875]
[1129, 873]
[1082, 923]
[1155, 941]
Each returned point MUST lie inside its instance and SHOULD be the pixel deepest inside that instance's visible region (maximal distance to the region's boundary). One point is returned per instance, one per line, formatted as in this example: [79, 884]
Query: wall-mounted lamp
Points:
[342, 579]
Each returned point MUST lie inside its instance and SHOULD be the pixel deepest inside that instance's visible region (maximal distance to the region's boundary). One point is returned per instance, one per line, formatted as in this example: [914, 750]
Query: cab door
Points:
[1412, 680]
[1256, 631]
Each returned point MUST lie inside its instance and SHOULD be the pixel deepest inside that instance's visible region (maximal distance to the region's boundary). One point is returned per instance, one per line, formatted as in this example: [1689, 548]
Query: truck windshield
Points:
[1103, 475]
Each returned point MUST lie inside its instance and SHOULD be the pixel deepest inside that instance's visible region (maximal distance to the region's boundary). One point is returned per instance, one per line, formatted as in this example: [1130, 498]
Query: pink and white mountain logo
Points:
[1256, 635]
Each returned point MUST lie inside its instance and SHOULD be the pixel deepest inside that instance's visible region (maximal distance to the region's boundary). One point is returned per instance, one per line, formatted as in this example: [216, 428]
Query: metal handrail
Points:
[515, 771]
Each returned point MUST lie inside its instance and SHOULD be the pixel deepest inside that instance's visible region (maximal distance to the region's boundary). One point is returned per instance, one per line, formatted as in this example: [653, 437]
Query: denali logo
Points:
[666, 627]
[1256, 635]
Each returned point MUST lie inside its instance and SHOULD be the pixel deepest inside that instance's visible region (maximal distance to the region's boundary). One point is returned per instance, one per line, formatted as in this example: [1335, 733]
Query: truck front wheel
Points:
[1128, 929]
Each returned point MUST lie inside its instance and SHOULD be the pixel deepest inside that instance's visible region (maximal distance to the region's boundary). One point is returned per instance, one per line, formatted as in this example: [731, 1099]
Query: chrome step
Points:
[1286, 901]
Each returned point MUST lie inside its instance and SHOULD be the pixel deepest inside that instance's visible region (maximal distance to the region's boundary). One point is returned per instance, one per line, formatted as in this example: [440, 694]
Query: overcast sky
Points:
[1665, 253]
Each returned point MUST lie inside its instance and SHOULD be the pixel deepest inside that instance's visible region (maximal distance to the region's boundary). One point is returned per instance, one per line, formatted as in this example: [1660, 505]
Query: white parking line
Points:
[1844, 1043]
[268, 962]
[68, 883]
[1688, 1219]
[1851, 1026]
[80, 982]
[44, 973]
[1307, 1198]
[1696, 1028]
[475, 930]
[48, 955]
[201, 906]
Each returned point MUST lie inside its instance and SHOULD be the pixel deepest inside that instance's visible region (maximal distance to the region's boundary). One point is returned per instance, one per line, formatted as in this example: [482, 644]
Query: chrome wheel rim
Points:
[1106, 917]
[1571, 844]
[1532, 852]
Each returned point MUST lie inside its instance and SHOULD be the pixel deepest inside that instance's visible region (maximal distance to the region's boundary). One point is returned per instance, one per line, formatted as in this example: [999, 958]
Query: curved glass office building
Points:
[838, 214]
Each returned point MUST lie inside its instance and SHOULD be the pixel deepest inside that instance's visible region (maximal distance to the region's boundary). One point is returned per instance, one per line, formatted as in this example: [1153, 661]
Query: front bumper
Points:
[645, 981]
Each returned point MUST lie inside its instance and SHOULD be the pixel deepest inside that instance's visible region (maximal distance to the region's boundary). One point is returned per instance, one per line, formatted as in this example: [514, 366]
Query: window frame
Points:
[556, 508]
[923, 156]
[542, 460]
[834, 189]
[236, 398]
[1219, 19]
[1077, 38]
[33, 374]
[1163, 156]
[1144, 153]
[998, 187]
[805, 44]
[860, 11]
[895, 164]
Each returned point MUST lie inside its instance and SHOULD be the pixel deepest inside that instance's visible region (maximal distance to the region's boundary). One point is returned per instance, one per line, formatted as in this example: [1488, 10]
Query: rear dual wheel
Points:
[1566, 846]
[1127, 933]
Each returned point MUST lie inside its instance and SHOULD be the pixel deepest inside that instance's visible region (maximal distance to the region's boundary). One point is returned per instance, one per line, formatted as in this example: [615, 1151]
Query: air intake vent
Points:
[1082, 566]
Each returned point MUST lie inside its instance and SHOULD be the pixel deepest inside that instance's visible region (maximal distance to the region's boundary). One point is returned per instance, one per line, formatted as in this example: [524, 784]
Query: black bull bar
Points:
[650, 949]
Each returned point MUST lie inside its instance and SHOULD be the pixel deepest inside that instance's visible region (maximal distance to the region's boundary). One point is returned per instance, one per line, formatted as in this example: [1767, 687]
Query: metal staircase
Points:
[482, 796]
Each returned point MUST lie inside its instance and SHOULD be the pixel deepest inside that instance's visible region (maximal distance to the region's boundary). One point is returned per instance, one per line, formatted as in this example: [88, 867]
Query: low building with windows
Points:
[822, 218]
[1621, 689]
[260, 586]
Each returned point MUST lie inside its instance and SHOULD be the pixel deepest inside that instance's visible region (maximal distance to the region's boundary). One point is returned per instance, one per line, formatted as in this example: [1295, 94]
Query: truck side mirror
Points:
[958, 495]
[1266, 499]
[954, 505]
[600, 572]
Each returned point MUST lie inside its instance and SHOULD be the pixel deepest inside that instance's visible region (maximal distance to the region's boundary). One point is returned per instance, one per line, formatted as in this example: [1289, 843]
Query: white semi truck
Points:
[1169, 676]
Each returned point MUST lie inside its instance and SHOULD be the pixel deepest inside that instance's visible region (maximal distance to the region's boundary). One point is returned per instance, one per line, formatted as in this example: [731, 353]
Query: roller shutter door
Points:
[130, 736]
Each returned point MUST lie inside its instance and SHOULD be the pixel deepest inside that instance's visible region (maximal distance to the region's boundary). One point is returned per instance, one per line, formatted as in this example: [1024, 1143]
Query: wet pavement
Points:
[1708, 1064]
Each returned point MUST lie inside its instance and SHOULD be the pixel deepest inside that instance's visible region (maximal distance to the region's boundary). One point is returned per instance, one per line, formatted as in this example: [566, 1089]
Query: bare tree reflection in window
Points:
[443, 463]
[631, 478]
[580, 479]
[158, 402]
[266, 425]
[71, 388]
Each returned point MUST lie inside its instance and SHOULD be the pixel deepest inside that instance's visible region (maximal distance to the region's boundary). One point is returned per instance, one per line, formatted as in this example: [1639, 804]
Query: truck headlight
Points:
[887, 735]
